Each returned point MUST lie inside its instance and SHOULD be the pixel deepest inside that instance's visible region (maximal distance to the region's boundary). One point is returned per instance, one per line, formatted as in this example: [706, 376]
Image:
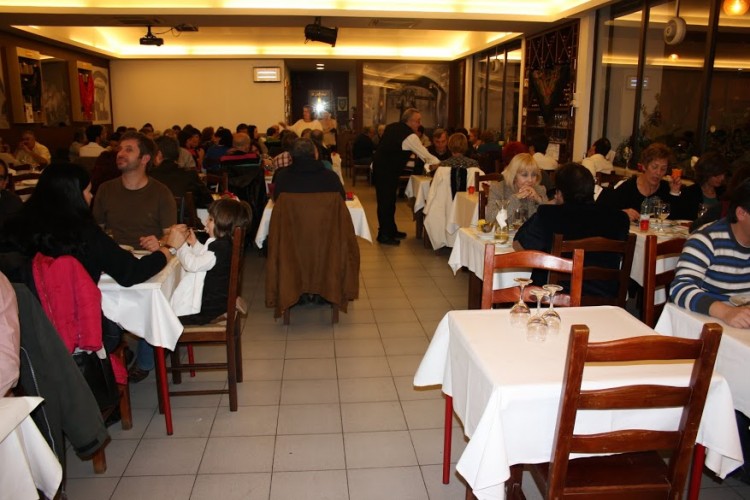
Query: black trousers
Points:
[386, 184]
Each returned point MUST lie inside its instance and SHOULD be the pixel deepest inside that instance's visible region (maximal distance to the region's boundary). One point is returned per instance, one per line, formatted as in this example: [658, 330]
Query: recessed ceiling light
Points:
[674, 57]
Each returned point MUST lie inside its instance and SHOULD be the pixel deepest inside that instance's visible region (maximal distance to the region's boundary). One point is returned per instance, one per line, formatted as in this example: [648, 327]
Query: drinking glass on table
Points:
[662, 211]
[536, 326]
[550, 315]
[519, 313]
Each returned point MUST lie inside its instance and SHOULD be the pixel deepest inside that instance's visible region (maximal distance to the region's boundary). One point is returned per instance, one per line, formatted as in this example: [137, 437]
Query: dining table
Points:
[416, 192]
[468, 252]
[144, 310]
[28, 463]
[506, 391]
[445, 211]
[734, 350]
[356, 210]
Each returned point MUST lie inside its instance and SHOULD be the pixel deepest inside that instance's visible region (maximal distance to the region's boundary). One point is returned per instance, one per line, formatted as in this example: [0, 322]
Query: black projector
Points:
[152, 40]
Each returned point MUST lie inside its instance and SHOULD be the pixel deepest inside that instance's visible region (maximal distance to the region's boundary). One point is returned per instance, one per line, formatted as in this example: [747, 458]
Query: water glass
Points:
[536, 326]
[550, 315]
[519, 313]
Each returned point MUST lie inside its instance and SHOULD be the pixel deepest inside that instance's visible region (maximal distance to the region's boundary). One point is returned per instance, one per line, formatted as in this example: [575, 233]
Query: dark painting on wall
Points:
[55, 93]
[391, 88]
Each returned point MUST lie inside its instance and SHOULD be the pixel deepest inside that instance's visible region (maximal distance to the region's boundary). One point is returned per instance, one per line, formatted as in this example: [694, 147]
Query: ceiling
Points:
[441, 30]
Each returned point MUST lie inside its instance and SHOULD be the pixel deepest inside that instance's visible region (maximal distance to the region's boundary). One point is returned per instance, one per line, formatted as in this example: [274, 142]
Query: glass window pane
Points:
[512, 94]
[615, 79]
[495, 93]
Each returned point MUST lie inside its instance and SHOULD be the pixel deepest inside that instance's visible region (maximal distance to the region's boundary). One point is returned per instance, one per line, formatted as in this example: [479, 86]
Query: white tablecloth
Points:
[359, 219]
[27, 462]
[468, 251]
[506, 391]
[662, 264]
[734, 351]
[418, 188]
[144, 309]
[464, 211]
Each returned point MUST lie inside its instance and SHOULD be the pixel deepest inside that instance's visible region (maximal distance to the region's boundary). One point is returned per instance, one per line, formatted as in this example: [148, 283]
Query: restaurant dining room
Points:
[342, 251]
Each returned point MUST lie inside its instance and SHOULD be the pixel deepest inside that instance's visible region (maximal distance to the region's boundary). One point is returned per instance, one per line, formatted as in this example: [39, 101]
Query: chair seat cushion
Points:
[210, 327]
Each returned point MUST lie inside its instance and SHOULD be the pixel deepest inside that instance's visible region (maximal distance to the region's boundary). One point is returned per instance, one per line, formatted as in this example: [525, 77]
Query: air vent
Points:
[396, 24]
[186, 27]
[139, 21]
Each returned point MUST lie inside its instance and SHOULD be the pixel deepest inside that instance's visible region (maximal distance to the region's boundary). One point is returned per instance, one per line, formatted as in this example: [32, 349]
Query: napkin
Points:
[502, 218]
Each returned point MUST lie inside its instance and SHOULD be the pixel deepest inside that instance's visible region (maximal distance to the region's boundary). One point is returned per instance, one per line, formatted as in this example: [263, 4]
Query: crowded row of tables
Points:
[506, 390]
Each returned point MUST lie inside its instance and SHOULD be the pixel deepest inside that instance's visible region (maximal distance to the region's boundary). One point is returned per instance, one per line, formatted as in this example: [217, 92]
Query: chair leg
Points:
[163, 390]
[238, 354]
[696, 472]
[175, 358]
[232, 373]
[99, 459]
[447, 436]
[126, 413]
[191, 358]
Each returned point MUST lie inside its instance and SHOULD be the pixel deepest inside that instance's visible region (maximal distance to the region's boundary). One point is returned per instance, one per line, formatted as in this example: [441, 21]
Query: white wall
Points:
[201, 92]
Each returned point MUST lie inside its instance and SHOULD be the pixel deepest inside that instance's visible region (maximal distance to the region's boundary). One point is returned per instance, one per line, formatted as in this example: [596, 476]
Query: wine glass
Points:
[536, 326]
[520, 312]
[662, 211]
[550, 315]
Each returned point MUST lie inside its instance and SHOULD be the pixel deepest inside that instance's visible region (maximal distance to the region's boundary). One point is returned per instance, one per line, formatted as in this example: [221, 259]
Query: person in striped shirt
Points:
[715, 264]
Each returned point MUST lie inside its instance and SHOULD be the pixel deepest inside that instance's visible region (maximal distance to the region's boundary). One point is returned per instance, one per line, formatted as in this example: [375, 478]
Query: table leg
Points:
[696, 472]
[162, 386]
[475, 291]
[448, 434]
[419, 219]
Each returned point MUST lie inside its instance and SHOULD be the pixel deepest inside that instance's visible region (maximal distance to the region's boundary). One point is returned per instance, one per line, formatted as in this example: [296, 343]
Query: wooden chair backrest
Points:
[478, 179]
[484, 195]
[13, 180]
[218, 182]
[608, 180]
[651, 348]
[652, 280]
[562, 248]
[530, 259]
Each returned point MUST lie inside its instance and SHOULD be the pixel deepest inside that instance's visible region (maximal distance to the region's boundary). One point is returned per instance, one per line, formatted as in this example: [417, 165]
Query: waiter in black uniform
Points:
[398, 142]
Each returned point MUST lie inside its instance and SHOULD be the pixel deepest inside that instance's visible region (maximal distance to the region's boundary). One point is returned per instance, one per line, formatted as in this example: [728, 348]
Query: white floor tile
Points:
[310, 485]
[370, 417]
[161, 487]
[309, 452]
[378, 449]
[404, 483]
[225, 455]
[309, 419]
[232, 486]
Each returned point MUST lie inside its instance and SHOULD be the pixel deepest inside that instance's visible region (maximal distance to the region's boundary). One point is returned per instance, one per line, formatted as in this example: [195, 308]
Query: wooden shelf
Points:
[25, 85]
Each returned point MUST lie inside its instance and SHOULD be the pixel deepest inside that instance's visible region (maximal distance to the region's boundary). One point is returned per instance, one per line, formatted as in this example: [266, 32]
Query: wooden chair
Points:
[608, 180]
[637, 470]
[362, 169]
[479, 179]
[530, 259]
[651, 280]
[624, 249]
[227, 331]
[523, 259]
[14, 180]
[219, 183]
[99, 458]
[483, 196]
[186, 211]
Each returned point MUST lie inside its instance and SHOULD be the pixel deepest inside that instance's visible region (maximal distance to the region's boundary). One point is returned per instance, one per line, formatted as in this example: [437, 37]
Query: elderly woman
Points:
[520, 188]
[630, 194]
[710, 174]
[457, 145]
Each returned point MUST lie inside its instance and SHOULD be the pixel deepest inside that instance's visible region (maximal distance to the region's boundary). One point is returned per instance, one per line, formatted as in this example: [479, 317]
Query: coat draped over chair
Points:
[312, 249]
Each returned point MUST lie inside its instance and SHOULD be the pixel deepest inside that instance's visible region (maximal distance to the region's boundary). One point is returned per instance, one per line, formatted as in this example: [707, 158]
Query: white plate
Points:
[141, 253]
[740, 300]
[486, 236]
[127, 248]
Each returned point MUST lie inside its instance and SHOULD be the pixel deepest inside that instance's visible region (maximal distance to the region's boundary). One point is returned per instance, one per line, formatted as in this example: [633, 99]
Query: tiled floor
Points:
[327, 411]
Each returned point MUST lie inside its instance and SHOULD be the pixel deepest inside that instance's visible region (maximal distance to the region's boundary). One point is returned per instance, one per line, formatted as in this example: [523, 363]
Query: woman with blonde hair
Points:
[520, 188]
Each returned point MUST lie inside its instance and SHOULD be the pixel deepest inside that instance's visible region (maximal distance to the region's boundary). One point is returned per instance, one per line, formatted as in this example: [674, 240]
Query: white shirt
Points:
[597, 163]
[301, 125]
[90, 150]
[545, 162]
[413, 144]
[25, 158]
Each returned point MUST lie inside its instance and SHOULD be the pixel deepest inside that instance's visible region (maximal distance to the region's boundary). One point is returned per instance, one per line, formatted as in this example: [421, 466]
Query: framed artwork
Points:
[342, 103]
[102, 104]
[55, 92]
[389, 88]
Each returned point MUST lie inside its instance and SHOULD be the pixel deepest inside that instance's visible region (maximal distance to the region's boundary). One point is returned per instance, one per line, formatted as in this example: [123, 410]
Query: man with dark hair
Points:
[95, 136]
[177, 179]
[596, 157]
[136, 208]
[538, 150]
[575, 216]
[306, 174]
[714, 264]
[399, 141]
[439, 147]
[364, 146]
[284, 158]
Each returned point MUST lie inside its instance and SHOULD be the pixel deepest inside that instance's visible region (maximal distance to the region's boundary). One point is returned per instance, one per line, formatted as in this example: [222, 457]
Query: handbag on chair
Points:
[99, 377]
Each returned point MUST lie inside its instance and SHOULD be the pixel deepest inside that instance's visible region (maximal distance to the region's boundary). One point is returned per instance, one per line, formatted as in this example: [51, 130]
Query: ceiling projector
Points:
[318, 33]
[151, 39]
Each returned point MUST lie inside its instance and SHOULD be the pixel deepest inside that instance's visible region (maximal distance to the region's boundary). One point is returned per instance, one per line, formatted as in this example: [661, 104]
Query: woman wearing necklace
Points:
[629, 196]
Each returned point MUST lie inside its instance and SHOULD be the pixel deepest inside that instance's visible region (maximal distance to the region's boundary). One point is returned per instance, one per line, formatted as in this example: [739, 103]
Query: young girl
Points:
[201, 295]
